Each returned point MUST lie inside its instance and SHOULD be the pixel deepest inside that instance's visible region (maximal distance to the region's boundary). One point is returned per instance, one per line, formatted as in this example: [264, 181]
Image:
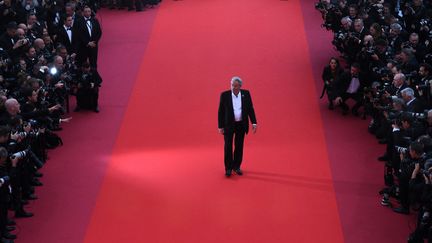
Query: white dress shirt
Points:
[89, 26]
[354, 85]
[237, 106]
[69, 32]
[410, 101]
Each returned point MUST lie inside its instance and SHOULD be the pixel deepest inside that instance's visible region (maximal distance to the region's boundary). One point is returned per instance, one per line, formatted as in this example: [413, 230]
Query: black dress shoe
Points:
[23, 214]
[401, 210]
[10, 228]
[96, 110]
[383, 158]
[10, 222]
[77, 109]
[382, 141]
[36, 183]
[31, 197]
[8, 236]
[228, 173]
[38, 174]
[239, 172]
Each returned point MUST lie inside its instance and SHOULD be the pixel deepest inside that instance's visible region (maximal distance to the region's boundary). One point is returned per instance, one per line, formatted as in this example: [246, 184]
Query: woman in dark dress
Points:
[330, 73]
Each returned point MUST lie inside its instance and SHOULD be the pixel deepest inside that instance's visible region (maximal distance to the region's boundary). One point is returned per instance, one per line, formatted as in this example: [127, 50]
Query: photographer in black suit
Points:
[235, 110]
[87, 94]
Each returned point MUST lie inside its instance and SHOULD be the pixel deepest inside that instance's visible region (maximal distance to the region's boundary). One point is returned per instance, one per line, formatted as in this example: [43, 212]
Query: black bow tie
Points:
[88, 19]
[69, 28]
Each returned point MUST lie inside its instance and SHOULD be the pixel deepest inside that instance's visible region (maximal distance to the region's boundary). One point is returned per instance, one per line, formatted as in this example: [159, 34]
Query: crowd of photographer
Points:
[388, 48]
[131, 5]
[48, 51]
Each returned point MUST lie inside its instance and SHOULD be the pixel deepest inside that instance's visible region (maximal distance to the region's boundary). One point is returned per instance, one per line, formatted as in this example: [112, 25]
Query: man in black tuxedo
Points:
[66, 36]
[89, 33]
[349, 86]
[235, 110]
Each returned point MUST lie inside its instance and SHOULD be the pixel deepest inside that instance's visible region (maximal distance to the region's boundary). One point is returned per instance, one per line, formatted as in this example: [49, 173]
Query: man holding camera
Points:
[87, 94]
[235, 110]
[423, 85]
[409, 171]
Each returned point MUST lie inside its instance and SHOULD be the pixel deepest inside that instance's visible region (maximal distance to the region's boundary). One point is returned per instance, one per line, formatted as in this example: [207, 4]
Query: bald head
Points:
[20, 33]
[23, 26]
[39, 44]
[399, 79]
[12, 106]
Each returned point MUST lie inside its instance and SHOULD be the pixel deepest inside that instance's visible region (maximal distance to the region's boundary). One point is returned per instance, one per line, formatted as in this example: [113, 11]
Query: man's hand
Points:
[14, 161]
[338, 101]
[53, 108]
[426, 179]
[14, 136]
[59, 85]
[92, 44]
[27, 127]
[401, 156]
[65, 119]
[254, 128]
[375, 57]
[221, 131]
[19, 43]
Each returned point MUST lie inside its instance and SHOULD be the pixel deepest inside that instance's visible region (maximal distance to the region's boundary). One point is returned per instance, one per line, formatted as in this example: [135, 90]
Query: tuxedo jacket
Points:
[415, 106]
[342, 83]
[83, 34]
[226, 112]
[63, 38]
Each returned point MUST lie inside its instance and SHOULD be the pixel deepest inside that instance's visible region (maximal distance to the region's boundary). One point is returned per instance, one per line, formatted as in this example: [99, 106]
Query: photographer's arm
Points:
[416, 171]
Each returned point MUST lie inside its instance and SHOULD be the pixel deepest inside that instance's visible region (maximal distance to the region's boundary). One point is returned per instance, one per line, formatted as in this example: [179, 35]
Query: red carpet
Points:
[165, 180]
[149, 167]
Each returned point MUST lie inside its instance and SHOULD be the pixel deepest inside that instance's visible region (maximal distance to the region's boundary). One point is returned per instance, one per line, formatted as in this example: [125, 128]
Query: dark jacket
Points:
[82, 32]
[63, 38]
[226, 112]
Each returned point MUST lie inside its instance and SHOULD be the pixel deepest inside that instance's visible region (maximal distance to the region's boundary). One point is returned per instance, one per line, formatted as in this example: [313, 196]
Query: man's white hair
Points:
[236, 79]
[408, 92]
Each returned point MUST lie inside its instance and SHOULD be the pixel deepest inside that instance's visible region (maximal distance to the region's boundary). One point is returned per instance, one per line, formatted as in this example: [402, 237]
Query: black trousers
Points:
[87, 53]
[357, 97]
[87, 98]
[3, 216]
[234, 160]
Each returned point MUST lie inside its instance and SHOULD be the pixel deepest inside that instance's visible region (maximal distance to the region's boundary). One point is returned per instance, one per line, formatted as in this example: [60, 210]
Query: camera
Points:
[424, 22]
[28, 153]
[4, 179]
[401, 150]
